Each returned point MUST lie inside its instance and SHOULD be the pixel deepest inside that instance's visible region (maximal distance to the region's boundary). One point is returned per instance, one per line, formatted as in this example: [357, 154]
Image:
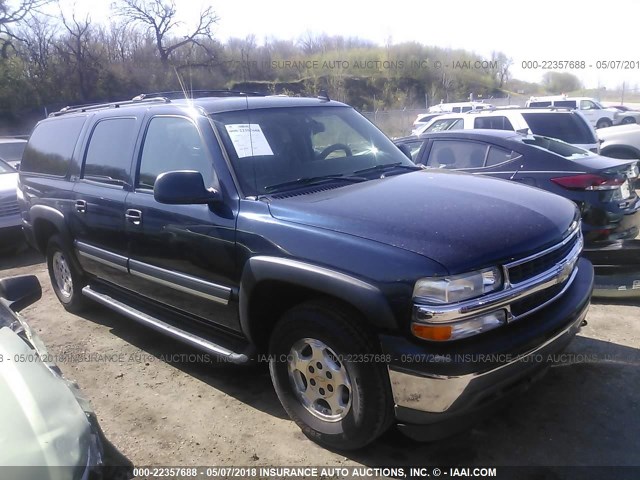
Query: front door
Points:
[182, 256]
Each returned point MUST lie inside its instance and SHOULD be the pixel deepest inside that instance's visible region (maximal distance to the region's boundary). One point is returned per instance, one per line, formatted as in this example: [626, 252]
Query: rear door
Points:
[97, 218]
[182, 256]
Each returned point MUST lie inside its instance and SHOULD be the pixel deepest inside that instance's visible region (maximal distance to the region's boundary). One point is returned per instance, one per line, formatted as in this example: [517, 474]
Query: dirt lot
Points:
[160, 408]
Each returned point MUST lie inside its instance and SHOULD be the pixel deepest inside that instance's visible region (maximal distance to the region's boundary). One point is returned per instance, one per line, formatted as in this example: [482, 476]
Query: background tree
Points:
[561, 82]
[13, 14]
[159, 17]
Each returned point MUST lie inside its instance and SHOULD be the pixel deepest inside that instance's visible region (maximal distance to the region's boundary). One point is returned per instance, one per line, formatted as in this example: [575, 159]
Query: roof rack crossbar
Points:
[99, 106]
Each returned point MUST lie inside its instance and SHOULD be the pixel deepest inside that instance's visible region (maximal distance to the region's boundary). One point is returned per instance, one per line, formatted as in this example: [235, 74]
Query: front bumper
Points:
[439, 389]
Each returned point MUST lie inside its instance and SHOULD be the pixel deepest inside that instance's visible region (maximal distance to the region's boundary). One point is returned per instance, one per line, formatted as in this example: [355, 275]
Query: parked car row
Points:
[564, 123]
[595, 113]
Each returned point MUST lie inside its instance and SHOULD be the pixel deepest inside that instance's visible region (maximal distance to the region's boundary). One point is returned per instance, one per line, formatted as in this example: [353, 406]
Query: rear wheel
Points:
[327, 375]
[67, 281]
[628, 120]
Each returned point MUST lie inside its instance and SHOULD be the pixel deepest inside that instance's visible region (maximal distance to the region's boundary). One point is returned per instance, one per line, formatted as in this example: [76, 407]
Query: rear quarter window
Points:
[51, 146]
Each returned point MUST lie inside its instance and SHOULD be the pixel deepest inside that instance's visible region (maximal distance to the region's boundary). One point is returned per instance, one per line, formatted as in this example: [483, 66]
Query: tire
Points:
[332, 337]
[628, 121]
[66, 279]
[604, 123]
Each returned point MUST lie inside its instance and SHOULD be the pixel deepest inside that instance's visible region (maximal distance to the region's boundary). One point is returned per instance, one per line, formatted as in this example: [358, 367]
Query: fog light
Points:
[458, 330]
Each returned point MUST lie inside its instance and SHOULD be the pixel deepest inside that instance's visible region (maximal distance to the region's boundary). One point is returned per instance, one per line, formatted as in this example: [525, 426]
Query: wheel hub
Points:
[62, 275]
[319, 379]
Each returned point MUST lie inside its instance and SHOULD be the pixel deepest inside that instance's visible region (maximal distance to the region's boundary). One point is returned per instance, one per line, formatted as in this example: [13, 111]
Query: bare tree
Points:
[14, 14]
[502, 67]
[75, 47]
[159, 18]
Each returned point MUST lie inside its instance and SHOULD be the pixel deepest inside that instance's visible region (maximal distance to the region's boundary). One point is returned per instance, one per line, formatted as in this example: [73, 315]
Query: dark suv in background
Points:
[250, 225]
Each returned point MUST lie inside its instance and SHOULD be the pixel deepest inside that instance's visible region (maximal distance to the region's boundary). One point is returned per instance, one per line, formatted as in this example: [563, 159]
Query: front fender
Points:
[367, 298]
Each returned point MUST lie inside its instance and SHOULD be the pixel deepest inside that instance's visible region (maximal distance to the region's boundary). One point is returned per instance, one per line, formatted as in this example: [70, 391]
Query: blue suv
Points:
[292, 230]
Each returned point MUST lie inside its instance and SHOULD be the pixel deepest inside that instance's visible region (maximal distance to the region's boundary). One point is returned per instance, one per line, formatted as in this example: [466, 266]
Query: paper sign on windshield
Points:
[248, 140]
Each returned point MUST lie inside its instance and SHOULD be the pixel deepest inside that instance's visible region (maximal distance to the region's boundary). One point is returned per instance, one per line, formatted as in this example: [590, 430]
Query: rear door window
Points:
[498, 155]
[110, 150]
[457, 154]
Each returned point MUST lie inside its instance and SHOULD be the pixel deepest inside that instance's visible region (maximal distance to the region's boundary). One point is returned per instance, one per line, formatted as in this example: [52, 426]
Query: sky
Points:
[545, 30]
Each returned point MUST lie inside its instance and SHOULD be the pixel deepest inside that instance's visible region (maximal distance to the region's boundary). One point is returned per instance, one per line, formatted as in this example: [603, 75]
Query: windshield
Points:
[6, 168]
[272, 149]
[556, 146]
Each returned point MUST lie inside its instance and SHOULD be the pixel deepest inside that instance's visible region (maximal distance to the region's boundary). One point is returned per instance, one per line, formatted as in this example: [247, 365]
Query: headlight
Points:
[457, 288]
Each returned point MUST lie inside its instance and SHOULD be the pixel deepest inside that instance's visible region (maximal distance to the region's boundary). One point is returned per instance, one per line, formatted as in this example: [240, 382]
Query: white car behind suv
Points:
[563, 124]
[598, 115]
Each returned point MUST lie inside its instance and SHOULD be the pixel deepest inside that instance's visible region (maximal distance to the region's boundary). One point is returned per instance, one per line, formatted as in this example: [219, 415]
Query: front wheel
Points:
[329, 375]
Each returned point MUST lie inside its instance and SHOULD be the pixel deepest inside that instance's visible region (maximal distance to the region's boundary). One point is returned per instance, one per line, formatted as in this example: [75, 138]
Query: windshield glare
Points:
[273, 146]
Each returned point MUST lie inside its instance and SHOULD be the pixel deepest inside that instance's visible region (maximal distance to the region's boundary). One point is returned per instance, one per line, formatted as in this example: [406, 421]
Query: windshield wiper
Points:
[312, 181]
[387, 166]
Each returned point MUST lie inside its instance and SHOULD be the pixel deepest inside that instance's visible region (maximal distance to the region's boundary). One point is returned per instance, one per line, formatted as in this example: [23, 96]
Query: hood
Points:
[462, 221]
[618, 131]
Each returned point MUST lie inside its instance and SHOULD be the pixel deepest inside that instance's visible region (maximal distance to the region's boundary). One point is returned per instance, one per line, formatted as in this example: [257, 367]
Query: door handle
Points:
[81, 206]
[133, 216]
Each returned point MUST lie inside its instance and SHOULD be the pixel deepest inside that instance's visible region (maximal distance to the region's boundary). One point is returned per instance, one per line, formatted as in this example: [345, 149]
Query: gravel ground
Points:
[161, 408]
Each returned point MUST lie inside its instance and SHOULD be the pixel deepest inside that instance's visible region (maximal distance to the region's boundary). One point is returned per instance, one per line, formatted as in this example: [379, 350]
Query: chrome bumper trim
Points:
[438, 394]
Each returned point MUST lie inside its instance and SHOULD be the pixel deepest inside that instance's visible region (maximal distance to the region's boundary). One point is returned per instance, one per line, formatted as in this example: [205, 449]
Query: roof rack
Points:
[179, 94]
[507, 108]
[98, 106]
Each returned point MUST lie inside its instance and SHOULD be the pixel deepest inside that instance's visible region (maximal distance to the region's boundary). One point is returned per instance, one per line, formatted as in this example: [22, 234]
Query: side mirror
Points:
[183, 187]
[406, 150]
[20, 292]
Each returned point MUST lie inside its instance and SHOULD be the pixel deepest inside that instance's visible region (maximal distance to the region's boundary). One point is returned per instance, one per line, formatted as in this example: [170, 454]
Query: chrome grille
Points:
[530, 267]
[9, 206]
[534, 301]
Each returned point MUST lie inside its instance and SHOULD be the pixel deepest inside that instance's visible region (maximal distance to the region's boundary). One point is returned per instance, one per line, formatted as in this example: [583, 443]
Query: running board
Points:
[164, 327]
